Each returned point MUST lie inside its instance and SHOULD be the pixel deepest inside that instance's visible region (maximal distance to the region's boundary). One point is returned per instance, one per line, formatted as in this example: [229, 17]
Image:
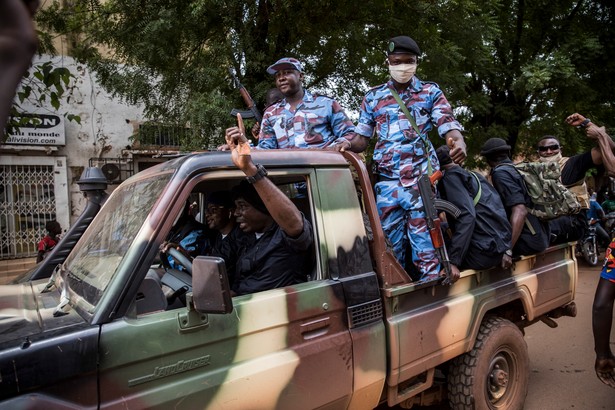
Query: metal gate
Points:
[33, 191]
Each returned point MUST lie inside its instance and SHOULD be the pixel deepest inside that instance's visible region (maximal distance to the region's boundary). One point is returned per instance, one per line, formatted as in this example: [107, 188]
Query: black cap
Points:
[443, 153]
[220, 198]
[247, 192]
[403, 44]
[493, 145]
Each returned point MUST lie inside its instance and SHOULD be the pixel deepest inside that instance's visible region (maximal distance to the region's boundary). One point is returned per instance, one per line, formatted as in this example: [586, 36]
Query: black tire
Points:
[495, 373]
[590, 253]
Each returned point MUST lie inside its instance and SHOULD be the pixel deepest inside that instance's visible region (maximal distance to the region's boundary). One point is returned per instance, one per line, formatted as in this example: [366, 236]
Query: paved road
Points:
[562, 359]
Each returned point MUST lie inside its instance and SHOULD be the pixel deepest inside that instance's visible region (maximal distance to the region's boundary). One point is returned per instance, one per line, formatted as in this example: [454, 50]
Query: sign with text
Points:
[41, 129]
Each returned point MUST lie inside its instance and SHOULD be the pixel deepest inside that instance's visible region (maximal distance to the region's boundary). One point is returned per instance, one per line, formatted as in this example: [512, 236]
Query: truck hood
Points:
[26, 312]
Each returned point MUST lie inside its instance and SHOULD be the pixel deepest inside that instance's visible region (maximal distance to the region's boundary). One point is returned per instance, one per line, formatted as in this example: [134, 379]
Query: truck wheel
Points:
[495, 373]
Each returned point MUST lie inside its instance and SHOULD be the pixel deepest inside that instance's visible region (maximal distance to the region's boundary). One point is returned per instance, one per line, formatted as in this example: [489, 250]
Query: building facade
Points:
[40, 165]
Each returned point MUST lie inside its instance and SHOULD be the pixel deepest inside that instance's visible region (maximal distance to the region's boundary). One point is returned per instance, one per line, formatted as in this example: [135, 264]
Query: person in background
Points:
[609, 203]
[568, 228]
[49, 241]
[602, 309]
[187, 236]
[18, 43]
[403, 151]
[273, 96]
[595, 216]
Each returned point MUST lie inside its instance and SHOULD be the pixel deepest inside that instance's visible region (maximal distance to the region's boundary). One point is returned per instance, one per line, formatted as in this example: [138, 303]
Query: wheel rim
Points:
[502, 370]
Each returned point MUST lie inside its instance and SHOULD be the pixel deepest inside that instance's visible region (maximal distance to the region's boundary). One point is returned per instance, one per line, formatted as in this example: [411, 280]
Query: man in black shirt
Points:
[481, 233]
[529, 234]
[283, 238]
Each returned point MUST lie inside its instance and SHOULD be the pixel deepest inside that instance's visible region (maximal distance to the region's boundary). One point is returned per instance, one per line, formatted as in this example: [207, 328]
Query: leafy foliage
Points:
[512, 69]
[43, 83]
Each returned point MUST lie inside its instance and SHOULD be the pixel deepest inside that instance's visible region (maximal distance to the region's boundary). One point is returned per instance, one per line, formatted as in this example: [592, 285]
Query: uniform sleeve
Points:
[340, 123]
[455, 190]
[365, 126]
[442, 113]
[266, 137]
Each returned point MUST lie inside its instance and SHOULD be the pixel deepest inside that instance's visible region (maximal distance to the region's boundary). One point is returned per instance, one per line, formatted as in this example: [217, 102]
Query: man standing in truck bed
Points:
[301, 119]
[403, 152]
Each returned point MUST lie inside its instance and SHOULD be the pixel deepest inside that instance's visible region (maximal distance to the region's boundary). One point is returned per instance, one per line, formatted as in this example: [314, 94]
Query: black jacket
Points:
[481, 232]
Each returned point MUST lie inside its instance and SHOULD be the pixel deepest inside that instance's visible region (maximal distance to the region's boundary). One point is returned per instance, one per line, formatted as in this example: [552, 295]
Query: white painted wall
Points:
[105, 129]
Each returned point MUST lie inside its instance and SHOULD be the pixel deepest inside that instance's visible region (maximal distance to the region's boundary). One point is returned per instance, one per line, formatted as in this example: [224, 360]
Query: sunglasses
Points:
[548, 147]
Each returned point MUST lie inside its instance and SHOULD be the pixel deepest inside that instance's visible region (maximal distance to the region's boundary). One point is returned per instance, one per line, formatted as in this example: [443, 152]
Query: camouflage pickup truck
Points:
[358, 333]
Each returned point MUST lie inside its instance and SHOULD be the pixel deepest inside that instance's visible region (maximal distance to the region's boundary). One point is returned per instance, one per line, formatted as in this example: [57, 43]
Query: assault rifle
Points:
[432, 205]
[252, 111]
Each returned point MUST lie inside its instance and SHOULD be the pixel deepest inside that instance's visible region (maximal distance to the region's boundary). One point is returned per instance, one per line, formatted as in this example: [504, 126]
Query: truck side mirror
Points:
[211, 292]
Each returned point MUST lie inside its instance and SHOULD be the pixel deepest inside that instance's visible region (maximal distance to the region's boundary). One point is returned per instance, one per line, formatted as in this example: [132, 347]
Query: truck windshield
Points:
[98, 254]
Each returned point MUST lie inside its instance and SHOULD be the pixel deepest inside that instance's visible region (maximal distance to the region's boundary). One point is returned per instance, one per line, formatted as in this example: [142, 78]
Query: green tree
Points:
[546, 61]
[43, 84]
[513, 69]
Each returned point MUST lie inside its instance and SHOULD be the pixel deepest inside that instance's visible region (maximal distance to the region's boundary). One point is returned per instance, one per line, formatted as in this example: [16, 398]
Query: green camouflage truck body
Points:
[359, 333]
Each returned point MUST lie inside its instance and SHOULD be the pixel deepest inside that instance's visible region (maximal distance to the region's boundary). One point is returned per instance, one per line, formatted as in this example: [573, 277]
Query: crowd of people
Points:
[494, 224]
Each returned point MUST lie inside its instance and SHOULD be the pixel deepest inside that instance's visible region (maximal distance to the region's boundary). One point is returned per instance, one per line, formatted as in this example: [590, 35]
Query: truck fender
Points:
[521, 294]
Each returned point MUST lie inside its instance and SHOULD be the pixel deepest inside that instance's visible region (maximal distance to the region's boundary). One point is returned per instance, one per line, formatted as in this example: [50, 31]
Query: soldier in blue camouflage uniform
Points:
[401, 155]
[301, 119]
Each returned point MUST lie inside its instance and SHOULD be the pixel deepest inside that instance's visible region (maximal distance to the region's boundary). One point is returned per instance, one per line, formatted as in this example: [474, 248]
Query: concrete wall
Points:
[105, 129]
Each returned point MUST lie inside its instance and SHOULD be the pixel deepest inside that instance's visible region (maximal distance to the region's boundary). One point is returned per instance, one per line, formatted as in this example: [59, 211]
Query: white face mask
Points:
[402, 73]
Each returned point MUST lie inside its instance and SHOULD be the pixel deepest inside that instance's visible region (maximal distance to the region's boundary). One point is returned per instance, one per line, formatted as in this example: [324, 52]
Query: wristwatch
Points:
[585, 122]
[508, 252]
[261, 172]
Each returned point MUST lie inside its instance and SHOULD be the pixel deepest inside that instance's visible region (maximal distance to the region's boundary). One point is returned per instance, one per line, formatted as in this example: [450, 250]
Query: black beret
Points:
[493, 145]
[444, 156]
[403, 44]
[247, 192]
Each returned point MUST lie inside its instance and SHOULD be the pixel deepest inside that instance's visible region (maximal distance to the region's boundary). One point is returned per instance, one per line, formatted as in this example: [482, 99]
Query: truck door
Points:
[282, 348]
[275, 350]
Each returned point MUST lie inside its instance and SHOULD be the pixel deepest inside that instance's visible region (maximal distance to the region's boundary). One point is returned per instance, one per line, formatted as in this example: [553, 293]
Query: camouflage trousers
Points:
[403, 221]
